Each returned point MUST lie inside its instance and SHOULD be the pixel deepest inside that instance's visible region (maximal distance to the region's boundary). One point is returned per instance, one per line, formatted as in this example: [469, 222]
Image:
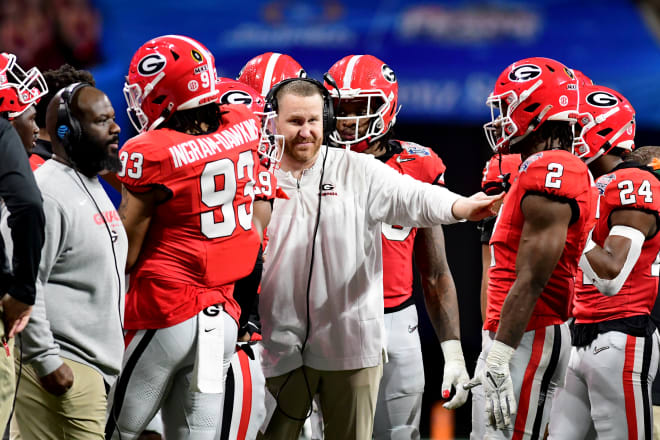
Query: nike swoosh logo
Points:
[599, 349]
[411, 328]
[401, 160]
[209, 329]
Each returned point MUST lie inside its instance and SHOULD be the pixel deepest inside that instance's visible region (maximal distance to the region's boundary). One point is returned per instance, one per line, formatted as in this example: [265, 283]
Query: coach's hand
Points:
[498, 386]
[15, 315]
[476, 207]
[59, 381]
[455, 374]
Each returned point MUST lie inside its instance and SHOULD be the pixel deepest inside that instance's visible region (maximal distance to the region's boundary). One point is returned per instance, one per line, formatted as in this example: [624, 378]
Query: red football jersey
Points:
[202, 235]
[561, 176]
[36, 161]
[625, 188]
[398, 241]
[267, 189]
[496, 168]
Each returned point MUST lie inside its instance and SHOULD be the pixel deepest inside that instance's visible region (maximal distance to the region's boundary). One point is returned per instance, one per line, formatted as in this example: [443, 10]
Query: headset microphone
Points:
[330, 80]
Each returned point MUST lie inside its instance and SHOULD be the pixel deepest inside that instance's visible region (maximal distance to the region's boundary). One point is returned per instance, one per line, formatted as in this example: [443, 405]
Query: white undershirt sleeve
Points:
[612, 287]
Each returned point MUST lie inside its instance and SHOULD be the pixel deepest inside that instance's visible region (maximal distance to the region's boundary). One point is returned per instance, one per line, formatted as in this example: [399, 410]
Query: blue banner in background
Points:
[447, 55]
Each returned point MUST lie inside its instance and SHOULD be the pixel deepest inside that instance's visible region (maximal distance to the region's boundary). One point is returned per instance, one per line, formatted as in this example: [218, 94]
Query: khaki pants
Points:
[656, 422]
[347, 398]
[7, 379]
[77, 414]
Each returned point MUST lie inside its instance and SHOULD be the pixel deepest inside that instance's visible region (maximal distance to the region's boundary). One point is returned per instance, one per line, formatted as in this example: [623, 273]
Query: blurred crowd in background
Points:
[50, 33]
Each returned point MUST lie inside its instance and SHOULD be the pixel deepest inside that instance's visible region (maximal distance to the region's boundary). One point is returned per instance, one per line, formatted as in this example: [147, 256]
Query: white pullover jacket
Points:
[346, 328]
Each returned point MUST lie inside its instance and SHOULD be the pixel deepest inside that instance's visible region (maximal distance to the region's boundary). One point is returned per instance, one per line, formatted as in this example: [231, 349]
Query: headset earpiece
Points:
[329, 121]
[68, 127]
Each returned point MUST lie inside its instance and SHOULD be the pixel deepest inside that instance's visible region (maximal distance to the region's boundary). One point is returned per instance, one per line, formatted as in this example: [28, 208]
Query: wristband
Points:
[452, 350]
[499, 354]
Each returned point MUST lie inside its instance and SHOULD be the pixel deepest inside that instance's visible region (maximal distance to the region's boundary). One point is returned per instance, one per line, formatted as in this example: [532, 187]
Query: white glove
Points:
[455, 374]
[498, 387]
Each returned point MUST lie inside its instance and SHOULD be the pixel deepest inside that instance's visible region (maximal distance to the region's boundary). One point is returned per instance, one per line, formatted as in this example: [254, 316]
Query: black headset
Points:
[329, 120]
[68, 127]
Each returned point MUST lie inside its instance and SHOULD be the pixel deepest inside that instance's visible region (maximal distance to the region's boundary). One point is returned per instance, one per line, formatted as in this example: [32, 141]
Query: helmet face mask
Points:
[19, 89]
[364, 79]
[605, 120]
[526, 94]
[133, 96]
[271, 144]
[168, 74]
[501, 129]
[367, 123]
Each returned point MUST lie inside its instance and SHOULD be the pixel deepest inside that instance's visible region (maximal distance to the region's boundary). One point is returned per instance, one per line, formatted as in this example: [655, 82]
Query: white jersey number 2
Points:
[553, 178]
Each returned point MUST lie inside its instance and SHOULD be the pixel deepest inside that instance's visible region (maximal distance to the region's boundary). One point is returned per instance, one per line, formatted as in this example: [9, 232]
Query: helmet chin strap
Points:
[163, 116]
[360, 146]
[371, 140]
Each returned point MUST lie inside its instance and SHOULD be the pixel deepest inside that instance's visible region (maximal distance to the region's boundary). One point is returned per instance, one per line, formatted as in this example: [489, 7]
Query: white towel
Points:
[207, 373]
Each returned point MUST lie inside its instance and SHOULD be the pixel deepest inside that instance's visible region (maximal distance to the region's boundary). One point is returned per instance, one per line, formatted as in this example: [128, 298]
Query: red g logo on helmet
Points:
[526, 72]
[151, 64]
[235, 92]
[388, 73]
[601, 99]
[236, 97]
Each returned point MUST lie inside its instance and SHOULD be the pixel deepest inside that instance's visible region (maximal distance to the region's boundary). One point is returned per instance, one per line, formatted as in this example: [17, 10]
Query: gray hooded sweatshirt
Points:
[78, 312]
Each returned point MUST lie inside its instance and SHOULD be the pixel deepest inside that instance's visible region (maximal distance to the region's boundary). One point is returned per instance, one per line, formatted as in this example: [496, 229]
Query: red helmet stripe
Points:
[349, 70]
[268, 75]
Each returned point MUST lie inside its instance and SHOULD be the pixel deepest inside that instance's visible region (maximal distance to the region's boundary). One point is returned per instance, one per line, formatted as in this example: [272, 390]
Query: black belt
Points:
[639, 326]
